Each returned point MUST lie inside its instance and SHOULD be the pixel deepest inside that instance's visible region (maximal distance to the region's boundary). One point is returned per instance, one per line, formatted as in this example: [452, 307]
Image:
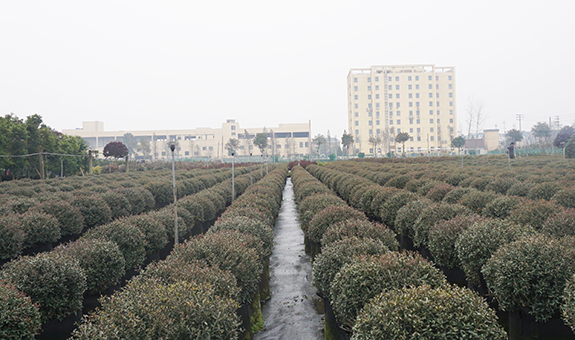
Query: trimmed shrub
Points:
[431, 215]
[480, 183]
[360, 229]
[424, 189]
[137, 203]
[69, 217]
[329, 216]
[94, 210]
[162, 190]
[399, 181]
[425, 313]
[196, 209]
[381, 197]
[118, 203]
[568, 308]
[565, 198]
[477, 200]
[56, 282]
[368, 194]
[560, 224]
[314, 204]
[443, 235]
[130, 240]
[250, 212]
[335, 255]
[545, 191]
[247, 226]
[389, 209]
[11, 236]
[39, 227]
[455, 179]
[228, 251]
[520, 189]
[102, 262]
[311, 188]
[149, 309]
[176, 269]
[438, 192]
[530, 272]
[455, 195]
[408, 214]
[166, 217]
[533, 213]
[501, 207]
[415, 184]
[476, 244]
[153, 230]
[365, 277]
[20, 205]
[19, 317]
[501, 185]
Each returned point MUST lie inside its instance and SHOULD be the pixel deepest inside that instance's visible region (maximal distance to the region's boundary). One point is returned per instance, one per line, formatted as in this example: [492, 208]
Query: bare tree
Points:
[476, 114]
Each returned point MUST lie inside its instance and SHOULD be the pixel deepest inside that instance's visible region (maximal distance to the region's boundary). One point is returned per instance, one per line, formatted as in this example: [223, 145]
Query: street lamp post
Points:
[261, 165]
[251, 178]
[233, 177]
[173, 147]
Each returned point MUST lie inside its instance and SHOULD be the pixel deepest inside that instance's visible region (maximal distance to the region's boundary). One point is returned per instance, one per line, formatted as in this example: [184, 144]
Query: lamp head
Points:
[172, 147]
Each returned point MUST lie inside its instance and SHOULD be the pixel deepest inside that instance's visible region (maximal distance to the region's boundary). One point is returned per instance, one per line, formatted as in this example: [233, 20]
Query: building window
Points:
[450, 112]
[356, 133]
[431, 112]
[419, 138]
[409, 78]
[355, 88]
[430, 86]
[397, 87]
[430, 103]
[398, 130]
[233, 127]
[356, 105]
[355, 97]
[396, 78]
[377, 87]
[428, 77]
[370, 132]
[417, 95]
[378, 131]
[436, 78]
[450, 103]
[438, 112]
[369, 96]
[390, 96]
[431, 138]
[389, 78]
[357, 114]
[391, 122]
[437, 95]
[450, 94]
[438, 121]
[411, 139]
[431, 121]
[279, 146]
[398, 121]
[369, 105]
[356, 123]
[204, 148]
[417, 121]
[417, 86]
[187, 153]
[418, 130]
[430, 129]
[377, 122]
[409, 86]
[410, 104]
[410, 130]
[450, 86]
[437, 86]
[437, 104]
[376, 78]
[449, 77]
[370, 123]
[451, 120]
[377, 104]
[369, 79]
[369, 88]
[301, 144]
[411, 121]
[397, 113]
[430, 95]
[397, 95]
[370, 150]
[355, 80]
[411, 95]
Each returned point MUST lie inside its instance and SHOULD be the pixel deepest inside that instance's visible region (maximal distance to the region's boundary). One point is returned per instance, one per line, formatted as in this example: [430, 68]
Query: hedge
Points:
[329, 216]
[361, 229]
[12, 236]
[19, 317]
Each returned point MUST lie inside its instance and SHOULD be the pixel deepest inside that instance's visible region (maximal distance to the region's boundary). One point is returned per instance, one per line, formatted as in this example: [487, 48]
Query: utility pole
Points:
[519, 117]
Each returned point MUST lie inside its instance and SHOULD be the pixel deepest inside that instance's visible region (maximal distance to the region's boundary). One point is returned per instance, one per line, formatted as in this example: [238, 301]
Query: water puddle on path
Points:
[292, 311]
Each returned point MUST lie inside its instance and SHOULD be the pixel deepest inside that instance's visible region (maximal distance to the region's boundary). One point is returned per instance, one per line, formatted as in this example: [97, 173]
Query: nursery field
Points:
[400, 249]
[437, 250]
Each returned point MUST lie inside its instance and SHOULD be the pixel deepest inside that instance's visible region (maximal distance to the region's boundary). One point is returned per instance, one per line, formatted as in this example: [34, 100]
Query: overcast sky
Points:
[141, 65]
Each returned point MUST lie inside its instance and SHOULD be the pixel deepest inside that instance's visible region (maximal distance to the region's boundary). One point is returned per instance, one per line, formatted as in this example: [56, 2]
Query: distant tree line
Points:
[20, 137]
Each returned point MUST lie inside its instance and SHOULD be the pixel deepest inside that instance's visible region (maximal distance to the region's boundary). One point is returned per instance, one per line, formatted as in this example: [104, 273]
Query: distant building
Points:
[483, 142]
[386, 100]
[284, 141]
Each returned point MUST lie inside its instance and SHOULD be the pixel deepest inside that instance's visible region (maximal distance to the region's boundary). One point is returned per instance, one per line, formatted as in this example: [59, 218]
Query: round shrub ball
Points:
[247, 226]
[455, 179]
[450, 313]
[137, 202]
[162, 191]
[431, 215]
[130, 240]
[69, 217]
[166, 217]
[194, 207]
[102, 262]
[19, 317]
[118, 203]
[360, 229]
[501, 207]
[408, 214]
[335, 255]
[560, 224]
[568, 308]
[149, 309]
[311, 205]
[329, 216]
[12, 236]
[176, 269]
[443, 235]
[380, 198]
[543, 191]
[530, 272]
[153, 230]
[226, 250]
[533, 213]
[438, 192]
[476, 244]
[480, 183]
[94, 210]
[365, 277]
[368, 194]
[455, 195]
[477, 200]
[520, 189]
[39, 227]
[389, 209]
[20, 205]
[54, 281]
[501, 185]
[565, 198]
[250, 212]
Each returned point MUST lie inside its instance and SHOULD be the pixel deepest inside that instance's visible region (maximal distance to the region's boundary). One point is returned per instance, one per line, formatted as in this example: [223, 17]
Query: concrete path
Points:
[290, 313]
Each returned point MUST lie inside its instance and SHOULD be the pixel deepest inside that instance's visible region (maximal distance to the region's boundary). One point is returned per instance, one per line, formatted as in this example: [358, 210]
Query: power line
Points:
[44, 153]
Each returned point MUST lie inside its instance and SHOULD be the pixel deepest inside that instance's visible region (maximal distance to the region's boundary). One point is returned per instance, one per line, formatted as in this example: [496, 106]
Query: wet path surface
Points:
[290, 313]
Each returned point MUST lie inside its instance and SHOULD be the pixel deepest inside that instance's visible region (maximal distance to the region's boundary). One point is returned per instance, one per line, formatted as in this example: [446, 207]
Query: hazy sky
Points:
[138, 65]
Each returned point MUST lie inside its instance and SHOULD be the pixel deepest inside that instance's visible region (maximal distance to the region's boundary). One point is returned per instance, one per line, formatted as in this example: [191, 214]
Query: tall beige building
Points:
[386, 100]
